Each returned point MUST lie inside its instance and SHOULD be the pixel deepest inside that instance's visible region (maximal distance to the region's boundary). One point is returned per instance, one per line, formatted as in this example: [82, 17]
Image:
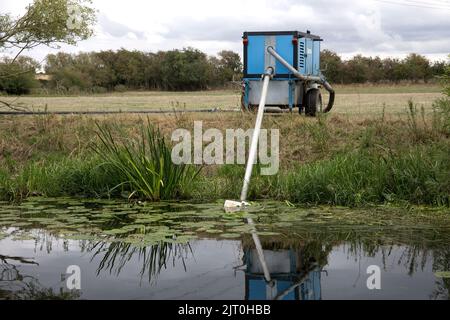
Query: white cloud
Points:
[348, 27]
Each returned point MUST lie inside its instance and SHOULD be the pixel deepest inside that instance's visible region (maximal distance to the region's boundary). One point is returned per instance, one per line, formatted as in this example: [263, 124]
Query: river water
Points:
[184, 251]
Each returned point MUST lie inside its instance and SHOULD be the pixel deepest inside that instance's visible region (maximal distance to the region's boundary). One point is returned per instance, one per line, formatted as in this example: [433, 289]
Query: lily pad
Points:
[283, 224]
[81, 237]
[213, 231]
[234, 224]
[21, 224]
[268, 234]
[116, 231]
[241, 229]
[183, 239]
[6, 223]
[443, 274]
[230, 235]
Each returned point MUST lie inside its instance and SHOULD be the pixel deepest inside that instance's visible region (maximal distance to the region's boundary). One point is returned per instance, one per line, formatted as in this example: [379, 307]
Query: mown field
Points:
[363, 99]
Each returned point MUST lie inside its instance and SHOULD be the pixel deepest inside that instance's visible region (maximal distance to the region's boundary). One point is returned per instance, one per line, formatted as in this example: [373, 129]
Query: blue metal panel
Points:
[311, 288]
[291, 96]
[257, 290]
[309, 56]
[285, 90]
[255, 52]
[285, 48]
[301, 55]
[316, 278]
[284, 285]
[316, 58]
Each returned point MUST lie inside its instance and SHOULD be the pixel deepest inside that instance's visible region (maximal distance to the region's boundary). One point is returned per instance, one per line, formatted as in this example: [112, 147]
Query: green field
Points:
[367, 99]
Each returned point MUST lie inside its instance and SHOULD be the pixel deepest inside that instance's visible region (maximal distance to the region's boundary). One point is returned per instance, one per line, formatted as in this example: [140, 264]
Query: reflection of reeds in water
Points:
[116, 255]
[18, 286]
[413, 250]
[414, 254]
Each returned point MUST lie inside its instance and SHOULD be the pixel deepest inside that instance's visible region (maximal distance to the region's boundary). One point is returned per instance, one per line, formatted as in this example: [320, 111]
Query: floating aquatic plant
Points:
[230, 235]
[154, 223]
[443, 274]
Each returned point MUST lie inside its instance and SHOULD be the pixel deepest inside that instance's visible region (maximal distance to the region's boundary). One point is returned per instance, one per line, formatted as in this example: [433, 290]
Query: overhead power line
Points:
[418, 4]
[435, 3]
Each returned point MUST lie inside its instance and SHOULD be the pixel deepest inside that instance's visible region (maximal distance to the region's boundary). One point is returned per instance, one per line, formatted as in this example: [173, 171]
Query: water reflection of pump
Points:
[293, 276]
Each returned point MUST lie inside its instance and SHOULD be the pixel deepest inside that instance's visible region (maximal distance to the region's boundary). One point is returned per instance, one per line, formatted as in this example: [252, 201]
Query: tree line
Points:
[188, 69]
[414, 68]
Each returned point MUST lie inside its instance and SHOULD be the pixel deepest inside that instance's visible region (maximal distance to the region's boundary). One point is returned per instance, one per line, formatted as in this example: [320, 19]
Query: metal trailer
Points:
[292, 61]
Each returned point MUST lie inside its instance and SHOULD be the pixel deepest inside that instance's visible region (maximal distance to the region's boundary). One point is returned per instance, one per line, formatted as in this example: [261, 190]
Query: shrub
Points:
[144, 167]
[120, 88]
[18, 77]
[441, 115]
[74, 90]
[99, 90]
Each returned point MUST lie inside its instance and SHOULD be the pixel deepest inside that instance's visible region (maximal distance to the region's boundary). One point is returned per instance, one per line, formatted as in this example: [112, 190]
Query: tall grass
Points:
[420, 176]
[320, 135]
[144, 167]
[60, 176]
[414, 176]
[441, 115]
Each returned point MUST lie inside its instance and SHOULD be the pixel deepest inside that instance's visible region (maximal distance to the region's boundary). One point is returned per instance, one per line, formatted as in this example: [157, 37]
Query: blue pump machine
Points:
[293, 61]
[292, 278]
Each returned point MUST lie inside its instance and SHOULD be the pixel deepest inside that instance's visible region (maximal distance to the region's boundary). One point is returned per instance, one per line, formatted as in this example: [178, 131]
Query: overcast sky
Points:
[370, 27]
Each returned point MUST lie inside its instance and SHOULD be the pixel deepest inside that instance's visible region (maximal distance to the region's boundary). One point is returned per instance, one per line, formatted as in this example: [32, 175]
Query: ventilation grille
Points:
[301, 55]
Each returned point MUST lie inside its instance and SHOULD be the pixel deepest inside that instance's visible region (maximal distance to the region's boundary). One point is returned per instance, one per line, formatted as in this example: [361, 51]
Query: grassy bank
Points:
[418, 176]
[335, 159]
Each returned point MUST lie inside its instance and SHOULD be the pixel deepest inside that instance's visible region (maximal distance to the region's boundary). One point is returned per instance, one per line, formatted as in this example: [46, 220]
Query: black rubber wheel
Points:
[313, 102]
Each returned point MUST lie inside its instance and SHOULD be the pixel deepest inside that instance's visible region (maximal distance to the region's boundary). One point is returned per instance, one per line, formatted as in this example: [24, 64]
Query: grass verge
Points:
[418, 176]
[335, 160]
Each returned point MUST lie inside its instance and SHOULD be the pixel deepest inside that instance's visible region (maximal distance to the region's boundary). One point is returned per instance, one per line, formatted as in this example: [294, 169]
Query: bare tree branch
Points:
[18, 53]
[13, 107]
[19, 259]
